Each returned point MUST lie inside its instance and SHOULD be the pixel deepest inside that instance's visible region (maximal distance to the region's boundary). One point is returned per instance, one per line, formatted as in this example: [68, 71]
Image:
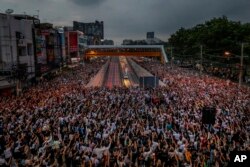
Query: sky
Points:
[132, 19]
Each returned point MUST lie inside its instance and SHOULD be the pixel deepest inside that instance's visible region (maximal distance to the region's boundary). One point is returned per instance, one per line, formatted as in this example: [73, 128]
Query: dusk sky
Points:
[131, 19]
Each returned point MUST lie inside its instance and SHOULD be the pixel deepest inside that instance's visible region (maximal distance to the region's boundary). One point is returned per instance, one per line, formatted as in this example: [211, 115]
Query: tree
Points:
[216, 35]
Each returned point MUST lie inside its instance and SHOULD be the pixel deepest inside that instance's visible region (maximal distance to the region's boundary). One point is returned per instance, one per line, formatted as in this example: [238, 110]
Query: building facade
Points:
[17, 59]
[62, 47]
[94, 31]
[150, 35]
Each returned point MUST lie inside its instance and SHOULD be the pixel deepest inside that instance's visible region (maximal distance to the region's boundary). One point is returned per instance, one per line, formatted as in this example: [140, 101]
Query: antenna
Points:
[38, 13]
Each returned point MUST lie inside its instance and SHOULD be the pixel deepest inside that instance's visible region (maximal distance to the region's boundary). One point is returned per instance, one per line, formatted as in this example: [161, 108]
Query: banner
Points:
[41, 49]
[73, 41]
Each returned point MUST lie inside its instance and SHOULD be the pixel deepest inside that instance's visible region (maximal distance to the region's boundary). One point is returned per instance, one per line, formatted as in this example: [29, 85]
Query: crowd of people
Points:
[62, 123]
[221, 71]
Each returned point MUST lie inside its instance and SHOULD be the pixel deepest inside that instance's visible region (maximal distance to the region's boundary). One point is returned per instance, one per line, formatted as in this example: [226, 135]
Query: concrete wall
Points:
[9, 45]
[6, 41]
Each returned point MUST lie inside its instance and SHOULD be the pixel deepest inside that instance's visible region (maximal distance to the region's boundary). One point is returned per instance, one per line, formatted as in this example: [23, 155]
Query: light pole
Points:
[9, 12]
[201, 54]
[172, 58]
[241, 63]
[38, 13]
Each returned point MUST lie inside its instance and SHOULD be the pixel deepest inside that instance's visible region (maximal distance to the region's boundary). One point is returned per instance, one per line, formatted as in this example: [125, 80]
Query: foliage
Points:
[216, 36]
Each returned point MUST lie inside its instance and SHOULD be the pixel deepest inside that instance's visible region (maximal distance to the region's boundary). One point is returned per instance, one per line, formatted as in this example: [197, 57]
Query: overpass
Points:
[127, 50]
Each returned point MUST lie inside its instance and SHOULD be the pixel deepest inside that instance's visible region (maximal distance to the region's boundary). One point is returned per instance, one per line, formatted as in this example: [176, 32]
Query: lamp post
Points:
[9, 12]
[241, 61]
[201, 54]
[172, 58]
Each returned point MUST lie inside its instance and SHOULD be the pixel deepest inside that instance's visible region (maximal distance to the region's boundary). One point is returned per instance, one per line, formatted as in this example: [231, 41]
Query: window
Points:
[21, 51]
[29, 49]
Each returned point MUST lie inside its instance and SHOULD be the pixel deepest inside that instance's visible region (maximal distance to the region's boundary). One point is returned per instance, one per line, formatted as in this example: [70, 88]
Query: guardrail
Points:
[106, 69]
[98, 79]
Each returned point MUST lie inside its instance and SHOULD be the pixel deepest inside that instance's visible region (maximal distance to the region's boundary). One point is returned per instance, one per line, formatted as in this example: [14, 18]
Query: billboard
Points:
[41, 49]
[73, 41]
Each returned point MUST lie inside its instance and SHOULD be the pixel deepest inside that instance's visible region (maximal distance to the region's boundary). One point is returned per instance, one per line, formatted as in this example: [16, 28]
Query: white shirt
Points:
[7, 153]
[2, 161]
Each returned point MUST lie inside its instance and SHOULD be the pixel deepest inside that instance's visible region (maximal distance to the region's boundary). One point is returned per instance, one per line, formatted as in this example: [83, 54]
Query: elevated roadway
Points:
[112, 74]
[127, 50]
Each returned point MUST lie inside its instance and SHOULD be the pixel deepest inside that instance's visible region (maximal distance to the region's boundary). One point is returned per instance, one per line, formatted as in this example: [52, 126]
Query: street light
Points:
[241, 61]
[9, 12]
[227, 53]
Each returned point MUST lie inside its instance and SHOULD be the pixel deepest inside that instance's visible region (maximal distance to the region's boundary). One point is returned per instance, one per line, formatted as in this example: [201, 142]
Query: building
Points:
[76, 42]
[127, 42]
[151, 40]
[17, 59]
[61, 44]
[107, 42]
[68, 28]
[150, 35]
[50, 48]
[82, 44]
[134, 42]
[154, 41]
[94, 31]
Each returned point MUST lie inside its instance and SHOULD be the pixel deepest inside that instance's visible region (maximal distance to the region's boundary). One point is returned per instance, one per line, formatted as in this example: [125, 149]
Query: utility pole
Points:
[201, 48]
[9, 12]
[38, 13]
[241, 64]
[171, 53]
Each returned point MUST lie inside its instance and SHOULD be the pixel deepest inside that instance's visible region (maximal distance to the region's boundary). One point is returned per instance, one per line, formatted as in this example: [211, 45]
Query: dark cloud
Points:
[133, 18]
[166, 16]
[87, 2]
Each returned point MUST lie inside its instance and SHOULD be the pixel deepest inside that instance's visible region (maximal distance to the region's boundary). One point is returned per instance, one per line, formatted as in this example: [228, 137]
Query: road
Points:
[132, 79]
[113, 73]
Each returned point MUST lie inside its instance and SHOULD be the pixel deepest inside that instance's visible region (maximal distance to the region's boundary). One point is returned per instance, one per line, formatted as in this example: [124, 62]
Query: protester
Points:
[62, 123]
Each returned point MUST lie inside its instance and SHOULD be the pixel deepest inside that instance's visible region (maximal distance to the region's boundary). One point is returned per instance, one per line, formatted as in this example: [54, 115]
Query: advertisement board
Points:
[73, 41]
[41, 49]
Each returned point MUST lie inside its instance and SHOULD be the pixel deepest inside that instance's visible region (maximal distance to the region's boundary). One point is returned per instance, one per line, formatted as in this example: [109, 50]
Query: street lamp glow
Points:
[92, 52]
[227, 53]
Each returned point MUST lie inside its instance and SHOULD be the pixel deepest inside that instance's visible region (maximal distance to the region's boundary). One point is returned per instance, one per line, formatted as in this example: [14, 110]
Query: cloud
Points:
[87, 2]
[133, 18]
